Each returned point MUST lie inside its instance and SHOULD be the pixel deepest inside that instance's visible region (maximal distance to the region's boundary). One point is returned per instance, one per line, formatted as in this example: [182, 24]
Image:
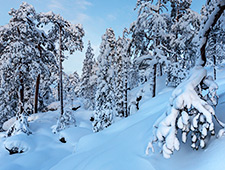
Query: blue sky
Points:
[94, 15]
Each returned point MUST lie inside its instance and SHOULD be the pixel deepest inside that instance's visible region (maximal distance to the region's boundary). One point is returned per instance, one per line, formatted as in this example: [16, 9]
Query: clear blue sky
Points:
[94, 15]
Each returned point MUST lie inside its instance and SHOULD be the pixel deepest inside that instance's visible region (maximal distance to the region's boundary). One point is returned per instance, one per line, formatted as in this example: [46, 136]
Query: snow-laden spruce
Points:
[65, 121]
[105, 98]
[88, 80]
[122, 65]
[71, 84]
[24, 57]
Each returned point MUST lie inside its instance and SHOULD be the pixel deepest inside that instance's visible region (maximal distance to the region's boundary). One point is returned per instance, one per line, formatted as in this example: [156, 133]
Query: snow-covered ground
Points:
[120, 147]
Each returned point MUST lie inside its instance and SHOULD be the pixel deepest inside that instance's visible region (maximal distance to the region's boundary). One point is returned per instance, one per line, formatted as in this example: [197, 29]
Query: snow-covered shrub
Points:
[134, 104]
[102, 119]
[20, 125]
[19, 143]
[189, 112]
[65, 121]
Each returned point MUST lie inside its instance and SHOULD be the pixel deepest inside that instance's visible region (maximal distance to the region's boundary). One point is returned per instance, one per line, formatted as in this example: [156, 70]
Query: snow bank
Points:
[19, 143]
[72, 135]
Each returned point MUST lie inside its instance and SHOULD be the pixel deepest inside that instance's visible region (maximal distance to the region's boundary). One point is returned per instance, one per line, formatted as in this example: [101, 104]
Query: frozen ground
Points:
[120, 147]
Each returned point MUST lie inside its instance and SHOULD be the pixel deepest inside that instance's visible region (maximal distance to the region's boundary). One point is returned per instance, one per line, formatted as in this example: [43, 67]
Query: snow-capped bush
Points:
[20, 125]
[17, 144]
[190, 112]
[65, 121]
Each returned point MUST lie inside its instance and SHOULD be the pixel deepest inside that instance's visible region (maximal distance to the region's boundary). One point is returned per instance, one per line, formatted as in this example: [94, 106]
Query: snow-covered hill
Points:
[120, 147]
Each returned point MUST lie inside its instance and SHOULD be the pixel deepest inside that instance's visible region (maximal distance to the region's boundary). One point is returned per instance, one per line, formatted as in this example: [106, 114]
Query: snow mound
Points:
[72, 135]
[8, 123]
[19, 143]
[53, 106]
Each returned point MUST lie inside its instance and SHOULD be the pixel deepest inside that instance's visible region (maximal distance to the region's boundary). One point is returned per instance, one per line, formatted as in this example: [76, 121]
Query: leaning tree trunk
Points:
[216, 14]
[60, 70]
[209, 25]
[36, 94]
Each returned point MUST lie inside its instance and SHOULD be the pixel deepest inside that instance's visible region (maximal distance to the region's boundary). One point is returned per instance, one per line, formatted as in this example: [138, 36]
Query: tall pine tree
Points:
[104, 107]
[87, 87]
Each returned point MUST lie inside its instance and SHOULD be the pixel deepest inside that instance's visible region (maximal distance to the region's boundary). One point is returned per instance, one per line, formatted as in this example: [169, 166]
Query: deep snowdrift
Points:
[119, 147]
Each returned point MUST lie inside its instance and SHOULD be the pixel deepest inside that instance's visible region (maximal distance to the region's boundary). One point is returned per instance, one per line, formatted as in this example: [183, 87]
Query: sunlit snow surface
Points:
[120, 147]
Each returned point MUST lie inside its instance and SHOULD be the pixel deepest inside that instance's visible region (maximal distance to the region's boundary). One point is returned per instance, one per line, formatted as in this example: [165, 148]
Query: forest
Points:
[159, 85]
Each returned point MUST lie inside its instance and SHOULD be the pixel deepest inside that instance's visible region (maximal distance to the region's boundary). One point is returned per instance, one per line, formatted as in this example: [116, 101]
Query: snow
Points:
[21, 141]
[120, 146]
[8, 123]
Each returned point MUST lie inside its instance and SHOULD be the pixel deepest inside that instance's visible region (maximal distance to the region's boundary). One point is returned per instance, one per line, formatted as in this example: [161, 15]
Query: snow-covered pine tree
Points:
[126, 63]
[119, 78]
[75, 84]
[23, 46]
[104, 105]
[87, 87]
[151, 28]
[183, 26]
[93, 82]
[189, 110]
[215, 48]
[68, 37]
[71, 86]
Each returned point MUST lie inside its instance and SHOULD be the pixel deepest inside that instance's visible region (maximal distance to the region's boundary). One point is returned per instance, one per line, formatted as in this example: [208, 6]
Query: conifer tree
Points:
[184, 26]
[122, 66]
[87, 87]
[151, 29]
[215, 48]
[104, 106]
[69, 38]
[23, 46]
[71, 85]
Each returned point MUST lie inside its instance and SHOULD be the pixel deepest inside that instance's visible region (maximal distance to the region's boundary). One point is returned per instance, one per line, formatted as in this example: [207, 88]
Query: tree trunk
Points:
[36, 94]
[125, 104]
[160, 69]
[21, 92]
[125, 97]
[60, 70]
[208, 30]
[154, 81]
[214, 66]
[58, 87]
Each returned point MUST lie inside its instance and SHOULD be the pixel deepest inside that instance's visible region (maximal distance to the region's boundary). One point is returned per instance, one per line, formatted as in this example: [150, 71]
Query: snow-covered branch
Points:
[208, 27]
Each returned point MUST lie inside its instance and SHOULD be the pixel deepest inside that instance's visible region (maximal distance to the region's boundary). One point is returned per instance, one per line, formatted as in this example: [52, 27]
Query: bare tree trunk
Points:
[60, 70]
[160, 69]
[58, 87]
[36, 94]
[21, 92]
[154, 80]
[214, 66]
[125, 97]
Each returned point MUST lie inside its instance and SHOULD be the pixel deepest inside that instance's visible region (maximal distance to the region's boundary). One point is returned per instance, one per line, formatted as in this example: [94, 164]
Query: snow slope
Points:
[120, 147]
